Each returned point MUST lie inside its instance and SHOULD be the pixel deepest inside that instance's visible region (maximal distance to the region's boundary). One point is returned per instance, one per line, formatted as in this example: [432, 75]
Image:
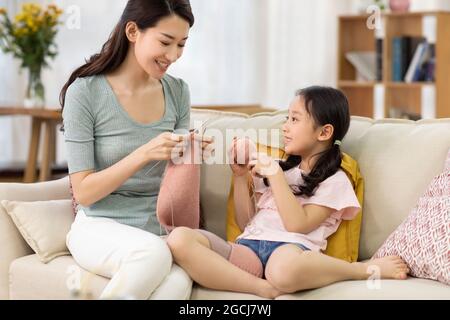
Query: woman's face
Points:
[158, 47]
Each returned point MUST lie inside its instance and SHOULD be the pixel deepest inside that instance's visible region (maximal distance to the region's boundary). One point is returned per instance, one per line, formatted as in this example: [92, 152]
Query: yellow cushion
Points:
[344, 243]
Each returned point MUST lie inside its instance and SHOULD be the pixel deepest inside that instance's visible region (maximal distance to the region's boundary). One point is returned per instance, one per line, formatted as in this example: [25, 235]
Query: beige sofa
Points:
[398, 159]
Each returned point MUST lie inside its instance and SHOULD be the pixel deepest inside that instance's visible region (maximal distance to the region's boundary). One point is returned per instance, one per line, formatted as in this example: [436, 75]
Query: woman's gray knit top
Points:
[99, 132]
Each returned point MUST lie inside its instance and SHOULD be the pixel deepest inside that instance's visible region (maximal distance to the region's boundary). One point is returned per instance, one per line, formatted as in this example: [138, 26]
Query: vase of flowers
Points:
[399, 6]
[30, 37]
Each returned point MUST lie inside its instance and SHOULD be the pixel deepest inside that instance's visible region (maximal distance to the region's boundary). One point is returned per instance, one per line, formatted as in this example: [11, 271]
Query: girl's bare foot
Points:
[266, 290]
[391, 267]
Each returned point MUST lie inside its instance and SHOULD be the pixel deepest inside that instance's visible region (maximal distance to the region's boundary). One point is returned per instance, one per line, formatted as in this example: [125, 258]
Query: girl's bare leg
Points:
[291, 269]
[191, 251]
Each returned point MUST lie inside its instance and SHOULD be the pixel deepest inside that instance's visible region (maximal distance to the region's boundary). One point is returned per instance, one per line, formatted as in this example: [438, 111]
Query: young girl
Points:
[119, 110]
[300, 203]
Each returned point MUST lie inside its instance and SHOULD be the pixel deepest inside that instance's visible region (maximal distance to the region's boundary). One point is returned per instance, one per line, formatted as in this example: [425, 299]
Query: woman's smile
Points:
[163, 66]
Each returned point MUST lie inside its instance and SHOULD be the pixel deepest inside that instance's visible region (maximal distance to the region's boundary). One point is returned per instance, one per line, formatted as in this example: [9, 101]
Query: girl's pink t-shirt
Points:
[336, 192]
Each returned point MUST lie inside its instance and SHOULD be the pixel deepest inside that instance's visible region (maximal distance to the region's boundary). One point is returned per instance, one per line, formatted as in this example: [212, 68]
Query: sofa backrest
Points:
[397, 159]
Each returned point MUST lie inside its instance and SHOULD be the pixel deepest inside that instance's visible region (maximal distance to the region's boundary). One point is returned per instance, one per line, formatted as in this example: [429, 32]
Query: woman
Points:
[120, 110]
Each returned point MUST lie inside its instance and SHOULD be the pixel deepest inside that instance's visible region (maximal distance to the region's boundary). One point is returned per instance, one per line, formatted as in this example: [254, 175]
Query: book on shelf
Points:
[403, 50]
[413, 59]
[429, 66]
[399, 57]
[379, 58]
[364, 63]
[414, 69]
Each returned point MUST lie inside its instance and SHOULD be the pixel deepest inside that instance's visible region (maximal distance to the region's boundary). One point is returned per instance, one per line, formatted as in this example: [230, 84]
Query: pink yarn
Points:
[243, 151]
[179, 197]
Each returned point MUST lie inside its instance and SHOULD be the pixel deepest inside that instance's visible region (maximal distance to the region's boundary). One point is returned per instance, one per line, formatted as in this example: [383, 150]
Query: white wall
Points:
[425, 5]
[224, 58]
[301, 47]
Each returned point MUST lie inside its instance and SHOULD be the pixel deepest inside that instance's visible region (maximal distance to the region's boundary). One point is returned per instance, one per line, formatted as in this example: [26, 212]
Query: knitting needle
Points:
[202, 128]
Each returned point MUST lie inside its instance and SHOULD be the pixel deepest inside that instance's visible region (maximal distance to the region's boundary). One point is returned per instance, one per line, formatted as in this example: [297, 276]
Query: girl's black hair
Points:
[326, 106]
[146, 14]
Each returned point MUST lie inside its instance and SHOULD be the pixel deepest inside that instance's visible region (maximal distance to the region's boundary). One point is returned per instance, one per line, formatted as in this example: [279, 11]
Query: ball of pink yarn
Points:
[244, 149]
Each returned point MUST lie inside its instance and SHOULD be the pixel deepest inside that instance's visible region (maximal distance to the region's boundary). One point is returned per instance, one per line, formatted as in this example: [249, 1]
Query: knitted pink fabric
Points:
[179, 197]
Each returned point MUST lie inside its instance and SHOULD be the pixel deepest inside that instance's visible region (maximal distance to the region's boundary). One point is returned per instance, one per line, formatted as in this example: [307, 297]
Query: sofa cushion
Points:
[410, 289]
[56, 280]
[31, 279]
[13, 244]
[397, 159]
[43, 224]
[423, 239]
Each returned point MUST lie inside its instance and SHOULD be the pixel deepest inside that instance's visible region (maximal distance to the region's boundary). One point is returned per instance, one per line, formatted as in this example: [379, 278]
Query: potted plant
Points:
[30, 37]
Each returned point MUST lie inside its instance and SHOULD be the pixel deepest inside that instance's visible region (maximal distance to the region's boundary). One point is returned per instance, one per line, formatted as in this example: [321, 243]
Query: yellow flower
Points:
[20, 17]
[54, 12]
[30, 22]
[31, 8]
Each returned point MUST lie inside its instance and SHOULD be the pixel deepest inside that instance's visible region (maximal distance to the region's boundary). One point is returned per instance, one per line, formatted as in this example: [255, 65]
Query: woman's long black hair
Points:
[146, 14]
[326, 106]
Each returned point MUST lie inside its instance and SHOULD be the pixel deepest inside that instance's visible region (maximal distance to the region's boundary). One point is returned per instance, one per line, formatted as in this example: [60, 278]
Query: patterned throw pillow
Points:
[423, 239]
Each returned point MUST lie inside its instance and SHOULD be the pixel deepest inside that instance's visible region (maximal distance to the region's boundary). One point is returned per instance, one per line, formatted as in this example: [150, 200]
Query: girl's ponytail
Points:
[327, 165]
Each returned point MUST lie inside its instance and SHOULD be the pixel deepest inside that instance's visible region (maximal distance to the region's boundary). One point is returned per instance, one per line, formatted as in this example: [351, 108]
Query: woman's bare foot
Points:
[391, 267]
[266, 290]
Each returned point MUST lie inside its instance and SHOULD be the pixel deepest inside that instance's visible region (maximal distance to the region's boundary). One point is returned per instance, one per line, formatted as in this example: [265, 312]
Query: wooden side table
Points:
[39, 117]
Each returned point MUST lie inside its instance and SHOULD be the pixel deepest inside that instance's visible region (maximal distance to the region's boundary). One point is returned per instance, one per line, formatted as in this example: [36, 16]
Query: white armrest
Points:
[12, 244]
[51, 190]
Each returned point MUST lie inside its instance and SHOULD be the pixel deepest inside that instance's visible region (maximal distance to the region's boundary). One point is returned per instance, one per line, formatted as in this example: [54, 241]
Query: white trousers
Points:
[138, 263]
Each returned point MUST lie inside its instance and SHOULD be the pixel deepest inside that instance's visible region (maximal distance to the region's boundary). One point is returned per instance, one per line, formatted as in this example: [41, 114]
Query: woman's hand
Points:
[207, 143]
[163, 147]
[261, 165]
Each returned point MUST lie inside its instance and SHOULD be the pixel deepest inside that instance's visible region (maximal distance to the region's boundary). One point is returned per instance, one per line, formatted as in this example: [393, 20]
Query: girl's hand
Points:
[239, 154]
[163, 147]
[261, 165]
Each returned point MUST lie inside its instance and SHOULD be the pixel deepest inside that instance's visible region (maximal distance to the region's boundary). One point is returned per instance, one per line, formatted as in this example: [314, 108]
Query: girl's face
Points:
[158, 47]
[299, 131]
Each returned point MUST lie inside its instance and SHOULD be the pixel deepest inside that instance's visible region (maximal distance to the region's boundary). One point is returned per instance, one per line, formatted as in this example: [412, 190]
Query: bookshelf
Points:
[379, 98]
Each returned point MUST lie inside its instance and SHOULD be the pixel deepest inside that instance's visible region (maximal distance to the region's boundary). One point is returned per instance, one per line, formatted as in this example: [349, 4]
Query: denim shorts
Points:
[265, 248]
